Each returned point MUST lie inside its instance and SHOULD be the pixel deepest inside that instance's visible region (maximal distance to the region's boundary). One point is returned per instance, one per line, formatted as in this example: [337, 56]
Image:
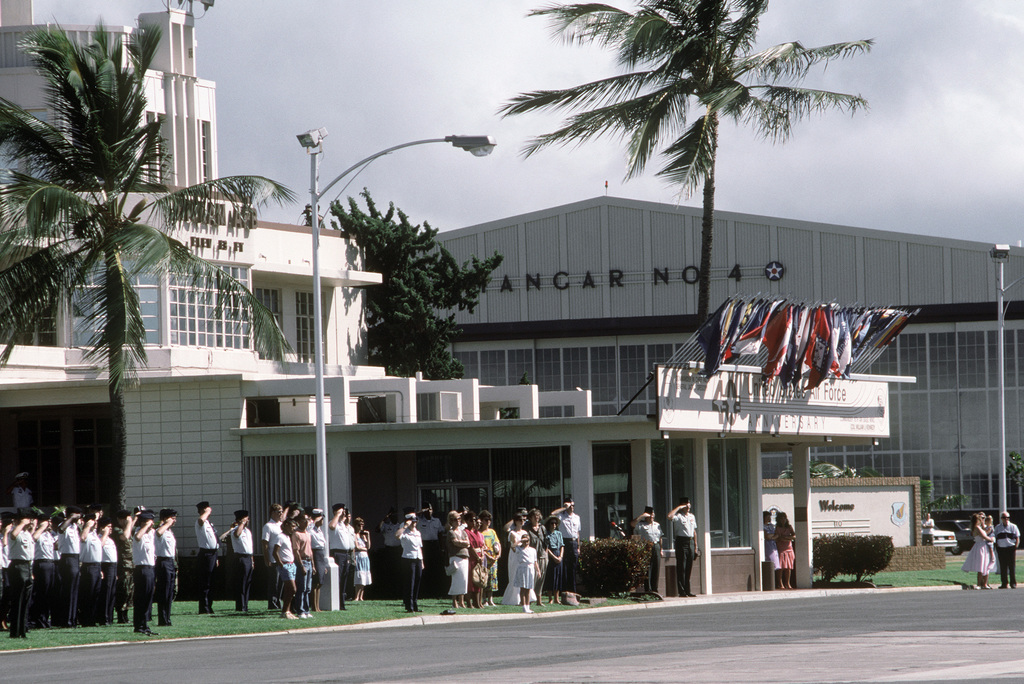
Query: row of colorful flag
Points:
[803, 344]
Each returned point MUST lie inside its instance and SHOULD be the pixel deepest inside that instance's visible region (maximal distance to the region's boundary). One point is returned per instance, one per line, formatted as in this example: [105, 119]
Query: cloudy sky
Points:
[940, 152]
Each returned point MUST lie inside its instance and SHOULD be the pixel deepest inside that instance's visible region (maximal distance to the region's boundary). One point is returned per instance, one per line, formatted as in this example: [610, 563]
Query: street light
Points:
[1001, 254]
[312, 140]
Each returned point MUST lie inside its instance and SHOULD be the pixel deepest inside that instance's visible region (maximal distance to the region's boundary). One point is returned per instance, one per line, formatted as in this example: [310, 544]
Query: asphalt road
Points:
[866, 637]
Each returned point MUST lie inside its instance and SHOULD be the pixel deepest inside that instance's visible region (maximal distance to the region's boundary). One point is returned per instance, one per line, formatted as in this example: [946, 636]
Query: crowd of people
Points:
[541, 558]
[82, 567]
[995, 546]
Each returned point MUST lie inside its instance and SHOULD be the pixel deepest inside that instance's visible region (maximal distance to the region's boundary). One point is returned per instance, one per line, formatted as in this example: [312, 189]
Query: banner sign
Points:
[739, 403]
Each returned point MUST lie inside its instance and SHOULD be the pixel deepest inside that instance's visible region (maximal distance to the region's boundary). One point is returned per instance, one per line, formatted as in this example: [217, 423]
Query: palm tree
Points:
[85, 215]
[678, 55]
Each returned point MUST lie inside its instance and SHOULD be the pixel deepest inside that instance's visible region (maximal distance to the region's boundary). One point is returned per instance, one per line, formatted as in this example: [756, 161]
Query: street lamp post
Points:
[1000, 254]
[312, 140]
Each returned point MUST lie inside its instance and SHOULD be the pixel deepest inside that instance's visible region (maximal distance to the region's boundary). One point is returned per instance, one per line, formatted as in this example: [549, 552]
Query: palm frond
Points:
[692, 155]
[32, 287]
[792, 61]
[773, 109]
[249, 192]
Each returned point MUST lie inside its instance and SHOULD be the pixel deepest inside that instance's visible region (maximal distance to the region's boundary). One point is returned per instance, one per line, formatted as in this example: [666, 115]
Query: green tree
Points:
[680, 55]
[410, 316]
[84, 215]
[822, 469]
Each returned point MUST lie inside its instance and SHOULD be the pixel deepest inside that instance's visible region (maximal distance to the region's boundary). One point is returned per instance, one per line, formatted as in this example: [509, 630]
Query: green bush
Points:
[838, 554]
[614, 566]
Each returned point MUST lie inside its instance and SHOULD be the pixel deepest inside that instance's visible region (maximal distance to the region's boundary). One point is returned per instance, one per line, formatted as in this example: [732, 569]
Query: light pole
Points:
[312, 140]
[1001, 254]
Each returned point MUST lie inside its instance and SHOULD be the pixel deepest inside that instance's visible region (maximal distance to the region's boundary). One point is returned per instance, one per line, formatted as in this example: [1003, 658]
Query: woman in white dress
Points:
[527, 573]
[515, 534]
[980, 560]
[363, 577]
[457, 543]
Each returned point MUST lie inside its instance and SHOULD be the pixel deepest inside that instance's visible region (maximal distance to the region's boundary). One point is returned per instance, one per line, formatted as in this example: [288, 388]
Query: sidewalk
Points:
[674, 602]
[473, 617]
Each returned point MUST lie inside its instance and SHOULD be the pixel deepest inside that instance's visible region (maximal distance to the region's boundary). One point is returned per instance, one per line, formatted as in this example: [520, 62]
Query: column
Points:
[754, 507]
[582, 463]
[802, 516]
[702, 510]
[640, 467]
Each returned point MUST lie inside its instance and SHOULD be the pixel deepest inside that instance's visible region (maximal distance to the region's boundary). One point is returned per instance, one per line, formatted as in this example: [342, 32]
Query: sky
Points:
[940, 151]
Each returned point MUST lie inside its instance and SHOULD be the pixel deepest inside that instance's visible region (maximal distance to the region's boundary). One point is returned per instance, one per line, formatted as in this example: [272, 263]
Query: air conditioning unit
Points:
[439, 406]
[377, 408]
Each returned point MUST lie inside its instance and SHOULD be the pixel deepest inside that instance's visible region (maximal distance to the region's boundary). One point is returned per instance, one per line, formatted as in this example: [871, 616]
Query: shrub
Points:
[614, 566]
[839, 554]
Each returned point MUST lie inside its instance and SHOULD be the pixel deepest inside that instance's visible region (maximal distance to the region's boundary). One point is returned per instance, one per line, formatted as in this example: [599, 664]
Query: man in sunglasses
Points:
[1007, 540]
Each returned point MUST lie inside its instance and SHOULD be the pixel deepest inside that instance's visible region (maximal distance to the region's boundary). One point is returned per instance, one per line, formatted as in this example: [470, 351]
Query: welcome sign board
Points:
[737, 402]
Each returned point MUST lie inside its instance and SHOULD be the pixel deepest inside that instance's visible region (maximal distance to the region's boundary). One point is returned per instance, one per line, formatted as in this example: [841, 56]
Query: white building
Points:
[209, 420]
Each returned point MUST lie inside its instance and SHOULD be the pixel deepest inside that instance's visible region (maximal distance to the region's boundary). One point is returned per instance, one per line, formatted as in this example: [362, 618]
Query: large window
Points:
[304, 328]
[728, 494]
[671, 477]
[612, 488]
[500, 480]
[147, 287]
[201, 318]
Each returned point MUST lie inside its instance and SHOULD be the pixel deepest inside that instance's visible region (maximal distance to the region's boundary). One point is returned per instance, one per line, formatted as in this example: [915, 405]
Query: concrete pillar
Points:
[582, 463]
[802, 516]
[754, 506]
[640, 466]
[339, 474]
[702, 511]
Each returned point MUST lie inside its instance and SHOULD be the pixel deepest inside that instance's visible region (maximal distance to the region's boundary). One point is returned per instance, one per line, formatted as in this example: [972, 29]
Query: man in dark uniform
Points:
[166, 568]
[69, 567]
[144, 558]
[206, 560]
[123, 525]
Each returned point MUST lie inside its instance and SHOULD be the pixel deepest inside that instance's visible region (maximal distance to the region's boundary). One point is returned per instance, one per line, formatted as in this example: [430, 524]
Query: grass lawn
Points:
[188, 623]
[951, 575]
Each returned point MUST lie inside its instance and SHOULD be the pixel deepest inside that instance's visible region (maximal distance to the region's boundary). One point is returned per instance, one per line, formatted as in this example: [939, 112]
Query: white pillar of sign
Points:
[582, 467]
[754, 506]
[802, 516]
[702, 510]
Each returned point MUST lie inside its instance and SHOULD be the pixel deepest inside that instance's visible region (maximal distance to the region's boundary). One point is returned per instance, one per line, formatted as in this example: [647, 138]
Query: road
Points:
[866, 637]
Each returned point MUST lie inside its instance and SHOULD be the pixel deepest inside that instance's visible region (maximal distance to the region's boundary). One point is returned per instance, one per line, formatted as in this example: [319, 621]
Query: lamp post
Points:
[1001, 254]
[312, 140]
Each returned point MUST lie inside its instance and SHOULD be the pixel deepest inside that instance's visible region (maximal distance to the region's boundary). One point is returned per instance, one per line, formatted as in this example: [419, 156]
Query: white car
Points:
[937, 537]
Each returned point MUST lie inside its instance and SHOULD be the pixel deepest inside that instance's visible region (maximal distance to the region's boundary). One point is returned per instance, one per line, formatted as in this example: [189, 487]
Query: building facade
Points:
[594, 293]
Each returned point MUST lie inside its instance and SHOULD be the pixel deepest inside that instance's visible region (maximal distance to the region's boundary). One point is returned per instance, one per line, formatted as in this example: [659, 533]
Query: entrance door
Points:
[445, 498]
[477, 497]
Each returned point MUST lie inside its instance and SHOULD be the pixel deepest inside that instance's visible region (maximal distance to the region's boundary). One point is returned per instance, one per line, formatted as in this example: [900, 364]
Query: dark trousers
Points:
[69, 571]
[1007, 564]
[654, 571]
[108, 594]
[342, 559]
[243, 582]
[125, 591]
[145, 584]
[413, 568]
[684, 564]
[44, 573]
[163, 591]
[19, 578]
[88, 593]
[274, 587]
[570, 558]
[206, 561]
